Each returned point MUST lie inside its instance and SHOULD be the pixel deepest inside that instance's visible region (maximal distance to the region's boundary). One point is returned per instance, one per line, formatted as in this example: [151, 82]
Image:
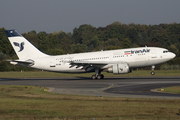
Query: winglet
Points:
[12, 33]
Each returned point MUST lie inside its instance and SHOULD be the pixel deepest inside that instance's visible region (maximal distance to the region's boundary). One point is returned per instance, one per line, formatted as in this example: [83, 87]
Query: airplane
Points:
[119, 61]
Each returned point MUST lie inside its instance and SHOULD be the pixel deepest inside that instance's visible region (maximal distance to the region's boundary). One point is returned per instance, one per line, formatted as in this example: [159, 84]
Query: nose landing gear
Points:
[153, 73]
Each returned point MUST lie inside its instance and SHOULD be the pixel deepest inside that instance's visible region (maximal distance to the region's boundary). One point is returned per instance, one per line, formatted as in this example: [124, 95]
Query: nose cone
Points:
[172, 55]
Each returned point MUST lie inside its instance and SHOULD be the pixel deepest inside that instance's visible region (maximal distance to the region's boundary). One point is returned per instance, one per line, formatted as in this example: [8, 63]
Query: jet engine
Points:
[119, 68]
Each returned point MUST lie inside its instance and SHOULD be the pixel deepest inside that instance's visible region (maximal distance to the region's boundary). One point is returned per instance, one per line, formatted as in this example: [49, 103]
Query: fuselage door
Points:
[153, 54]
[111, 58]
[52, 62]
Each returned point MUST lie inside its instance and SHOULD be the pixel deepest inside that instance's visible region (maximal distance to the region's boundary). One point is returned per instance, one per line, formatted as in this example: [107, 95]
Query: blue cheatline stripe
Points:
[12, 33]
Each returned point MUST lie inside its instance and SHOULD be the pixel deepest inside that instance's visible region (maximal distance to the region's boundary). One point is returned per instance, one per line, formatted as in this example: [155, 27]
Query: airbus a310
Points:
[113, 61]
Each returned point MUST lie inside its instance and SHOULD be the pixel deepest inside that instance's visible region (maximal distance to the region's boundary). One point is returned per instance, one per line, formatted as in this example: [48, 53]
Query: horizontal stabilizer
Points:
[23, 63]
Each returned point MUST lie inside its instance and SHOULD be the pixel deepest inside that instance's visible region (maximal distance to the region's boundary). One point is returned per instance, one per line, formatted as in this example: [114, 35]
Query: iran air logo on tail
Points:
[21, 45]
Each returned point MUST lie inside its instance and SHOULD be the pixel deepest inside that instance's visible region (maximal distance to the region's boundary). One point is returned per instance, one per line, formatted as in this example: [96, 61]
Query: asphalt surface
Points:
[137, 87]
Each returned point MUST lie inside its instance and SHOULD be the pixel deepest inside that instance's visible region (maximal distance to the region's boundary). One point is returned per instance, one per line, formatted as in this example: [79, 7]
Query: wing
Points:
[16, 44]
[88, 62]
[93, 64]
[88, 66]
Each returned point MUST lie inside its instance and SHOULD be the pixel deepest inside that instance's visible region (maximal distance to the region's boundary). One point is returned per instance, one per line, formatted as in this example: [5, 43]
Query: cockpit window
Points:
[165, 51]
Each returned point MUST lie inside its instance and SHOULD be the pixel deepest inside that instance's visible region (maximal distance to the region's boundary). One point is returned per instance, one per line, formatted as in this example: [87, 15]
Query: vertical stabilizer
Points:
[23, 48]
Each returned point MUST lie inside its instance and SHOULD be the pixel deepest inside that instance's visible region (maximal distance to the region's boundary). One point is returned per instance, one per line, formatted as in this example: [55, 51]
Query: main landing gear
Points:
[97, 75]
[153, 73]
[101, 76]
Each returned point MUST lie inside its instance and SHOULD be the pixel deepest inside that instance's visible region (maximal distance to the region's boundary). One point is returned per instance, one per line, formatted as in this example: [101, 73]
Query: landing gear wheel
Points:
[152, 73]
[93, 77]
[102, 76]
[99, 77]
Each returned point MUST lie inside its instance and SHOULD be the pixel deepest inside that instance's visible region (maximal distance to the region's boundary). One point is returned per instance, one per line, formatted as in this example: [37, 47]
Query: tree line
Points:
[87, 38]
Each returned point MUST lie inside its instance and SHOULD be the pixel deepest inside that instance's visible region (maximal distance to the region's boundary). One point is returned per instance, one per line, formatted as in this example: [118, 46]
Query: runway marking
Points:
[107, 88]
[127, 91]
[75, 91]
[86, 91]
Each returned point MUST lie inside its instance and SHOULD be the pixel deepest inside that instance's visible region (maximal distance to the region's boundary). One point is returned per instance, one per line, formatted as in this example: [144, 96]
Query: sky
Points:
[65, 15]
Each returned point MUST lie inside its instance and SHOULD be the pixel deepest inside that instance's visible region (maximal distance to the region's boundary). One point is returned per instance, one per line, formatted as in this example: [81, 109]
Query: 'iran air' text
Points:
[140, 51]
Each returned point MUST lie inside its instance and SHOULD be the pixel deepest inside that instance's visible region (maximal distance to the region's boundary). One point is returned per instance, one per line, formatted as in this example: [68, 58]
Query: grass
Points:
[44, 74]
[175, 89]
[28, 103]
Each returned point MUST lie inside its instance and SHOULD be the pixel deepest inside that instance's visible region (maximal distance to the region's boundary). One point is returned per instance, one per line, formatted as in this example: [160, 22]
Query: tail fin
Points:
[23, 48]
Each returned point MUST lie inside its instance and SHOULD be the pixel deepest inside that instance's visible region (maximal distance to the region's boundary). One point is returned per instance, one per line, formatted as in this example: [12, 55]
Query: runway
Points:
[136, 87]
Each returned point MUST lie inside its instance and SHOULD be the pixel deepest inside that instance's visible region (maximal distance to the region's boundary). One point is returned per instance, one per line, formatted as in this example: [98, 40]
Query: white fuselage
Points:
[114, 61]
[134, 57]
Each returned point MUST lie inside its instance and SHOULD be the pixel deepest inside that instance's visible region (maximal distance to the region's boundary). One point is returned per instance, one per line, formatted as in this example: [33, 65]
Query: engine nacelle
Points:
[119, 68]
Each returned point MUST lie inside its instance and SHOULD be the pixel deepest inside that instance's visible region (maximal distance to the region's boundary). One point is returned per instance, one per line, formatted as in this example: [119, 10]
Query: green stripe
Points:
[127, 51]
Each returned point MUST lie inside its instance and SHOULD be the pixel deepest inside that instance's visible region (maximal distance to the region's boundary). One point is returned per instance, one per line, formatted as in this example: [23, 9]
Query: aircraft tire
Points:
[99, 77]
[93, 77]
[152, 73]
[102, 76]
